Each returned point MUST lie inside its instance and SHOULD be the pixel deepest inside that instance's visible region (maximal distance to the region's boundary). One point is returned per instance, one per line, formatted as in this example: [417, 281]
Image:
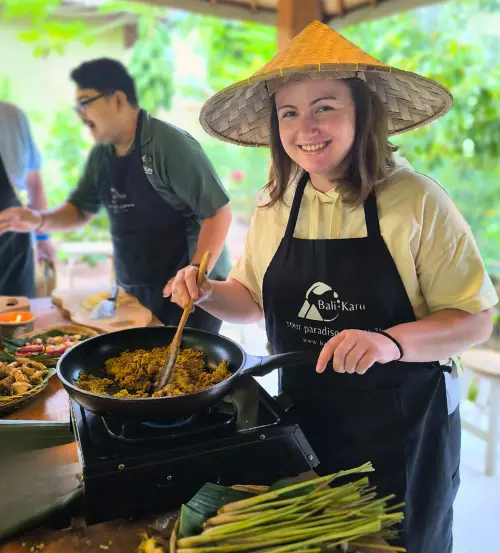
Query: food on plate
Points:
[45, 346]
[56, 345]
[133, 374]
[20, 376]
[122, 299]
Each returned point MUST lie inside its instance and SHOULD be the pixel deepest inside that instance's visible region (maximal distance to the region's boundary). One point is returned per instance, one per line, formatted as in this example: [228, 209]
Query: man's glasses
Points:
[82, 106]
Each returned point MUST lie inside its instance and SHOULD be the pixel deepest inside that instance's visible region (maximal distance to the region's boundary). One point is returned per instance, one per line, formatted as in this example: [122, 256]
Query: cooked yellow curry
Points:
[134, 374]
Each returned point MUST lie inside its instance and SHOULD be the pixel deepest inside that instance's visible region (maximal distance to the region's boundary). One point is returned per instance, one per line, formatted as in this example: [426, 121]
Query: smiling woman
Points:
[359, 258]
[336, 131]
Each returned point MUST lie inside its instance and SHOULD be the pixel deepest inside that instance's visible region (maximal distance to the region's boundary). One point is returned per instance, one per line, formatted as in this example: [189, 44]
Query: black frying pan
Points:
[89, 356]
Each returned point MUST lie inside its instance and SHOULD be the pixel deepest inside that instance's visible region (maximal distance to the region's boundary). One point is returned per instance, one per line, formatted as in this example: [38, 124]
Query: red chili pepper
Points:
[26, 354]
[31, 349]
[58, 350]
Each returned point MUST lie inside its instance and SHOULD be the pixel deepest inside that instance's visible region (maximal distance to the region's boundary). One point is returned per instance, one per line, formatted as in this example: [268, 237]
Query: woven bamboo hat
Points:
[240, 112]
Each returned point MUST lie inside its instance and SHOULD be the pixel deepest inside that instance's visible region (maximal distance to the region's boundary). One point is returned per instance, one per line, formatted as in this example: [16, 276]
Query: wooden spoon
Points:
[166, 371]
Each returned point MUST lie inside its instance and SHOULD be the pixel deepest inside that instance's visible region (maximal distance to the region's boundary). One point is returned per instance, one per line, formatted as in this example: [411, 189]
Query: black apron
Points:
[17, 265]
[395, 415]
[149, 237]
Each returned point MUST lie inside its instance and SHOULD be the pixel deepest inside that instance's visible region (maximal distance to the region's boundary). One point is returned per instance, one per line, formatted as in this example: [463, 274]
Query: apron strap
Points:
[137, 137]
[371, 216]
[370, 208]
[297, 200]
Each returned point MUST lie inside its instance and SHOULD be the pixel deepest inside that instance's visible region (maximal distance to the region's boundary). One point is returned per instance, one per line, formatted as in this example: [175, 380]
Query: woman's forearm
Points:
[230, 301]
[443, 334]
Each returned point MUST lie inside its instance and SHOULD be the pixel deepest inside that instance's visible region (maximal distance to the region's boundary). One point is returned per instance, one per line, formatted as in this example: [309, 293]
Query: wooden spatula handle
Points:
[205, 260]
[187, 311]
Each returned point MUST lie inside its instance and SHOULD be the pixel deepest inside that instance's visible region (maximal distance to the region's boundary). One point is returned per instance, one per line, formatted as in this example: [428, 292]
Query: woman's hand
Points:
[355, 351]
[183, 287]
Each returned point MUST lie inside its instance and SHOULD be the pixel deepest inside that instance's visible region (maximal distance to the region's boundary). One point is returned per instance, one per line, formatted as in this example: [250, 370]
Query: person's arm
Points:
[193, 179]
[23, 219]
[64, 218]
[83, 203]
[458, 293]
[439, 336]
[212, 236]
[37, 199]
[237, 300]
[442, 334]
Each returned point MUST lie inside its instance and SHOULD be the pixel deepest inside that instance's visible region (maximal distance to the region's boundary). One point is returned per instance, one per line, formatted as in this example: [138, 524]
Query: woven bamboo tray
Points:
[10, 403]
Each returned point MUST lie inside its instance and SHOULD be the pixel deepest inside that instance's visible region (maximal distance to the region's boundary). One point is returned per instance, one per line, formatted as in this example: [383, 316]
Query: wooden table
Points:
[51, 472]
[52, 403]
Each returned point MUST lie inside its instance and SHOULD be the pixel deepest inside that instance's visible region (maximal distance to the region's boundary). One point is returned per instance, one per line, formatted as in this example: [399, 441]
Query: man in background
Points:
[165, 202]
[20, 164]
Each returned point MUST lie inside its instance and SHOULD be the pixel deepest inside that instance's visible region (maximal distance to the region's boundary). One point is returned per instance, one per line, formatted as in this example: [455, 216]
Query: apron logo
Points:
[146, 161]
[118, 203]
[322, 303]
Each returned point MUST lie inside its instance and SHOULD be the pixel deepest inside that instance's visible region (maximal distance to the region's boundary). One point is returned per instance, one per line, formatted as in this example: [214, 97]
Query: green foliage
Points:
[48, 36]
[460, 150]
[152, 66]
[65, 154]
[235, 49]
[6, 89]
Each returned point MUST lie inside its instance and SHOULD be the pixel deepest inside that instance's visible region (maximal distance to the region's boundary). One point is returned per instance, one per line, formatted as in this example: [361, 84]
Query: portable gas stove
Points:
[132, 468]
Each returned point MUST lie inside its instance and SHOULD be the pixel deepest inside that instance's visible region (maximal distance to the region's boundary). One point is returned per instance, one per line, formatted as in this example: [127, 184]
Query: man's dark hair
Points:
[105, 75]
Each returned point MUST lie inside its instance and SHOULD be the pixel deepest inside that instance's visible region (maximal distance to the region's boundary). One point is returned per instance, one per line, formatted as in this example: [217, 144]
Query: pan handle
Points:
[260, 366]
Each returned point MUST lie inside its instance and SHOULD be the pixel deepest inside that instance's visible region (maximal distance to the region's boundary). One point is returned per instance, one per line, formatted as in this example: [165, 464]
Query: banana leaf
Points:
[204, 505]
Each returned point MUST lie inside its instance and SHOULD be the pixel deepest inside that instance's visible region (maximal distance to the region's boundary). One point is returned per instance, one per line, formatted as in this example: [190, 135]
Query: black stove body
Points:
[131, 468]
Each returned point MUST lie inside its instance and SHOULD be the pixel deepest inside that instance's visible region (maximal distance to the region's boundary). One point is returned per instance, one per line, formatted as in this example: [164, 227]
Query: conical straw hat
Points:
[240, 112]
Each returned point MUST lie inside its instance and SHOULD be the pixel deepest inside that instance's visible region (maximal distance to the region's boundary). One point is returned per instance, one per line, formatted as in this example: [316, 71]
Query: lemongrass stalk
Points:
[204, 539]
[291, 537]
[273, 515]
[339, 526]
[238, 527]
[395, 507]
[384, 547]
[301, 529]
[315, 521]
[263, 498]
[225, 519]
[340, 491]
[325, 539]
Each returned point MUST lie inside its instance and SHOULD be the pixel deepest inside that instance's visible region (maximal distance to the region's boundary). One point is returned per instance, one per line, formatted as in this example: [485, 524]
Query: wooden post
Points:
[294, 16]
[130, 34]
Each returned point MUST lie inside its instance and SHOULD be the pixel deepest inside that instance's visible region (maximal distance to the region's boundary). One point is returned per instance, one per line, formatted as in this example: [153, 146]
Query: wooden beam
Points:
[223, 9]
[294, 16]
[377, 10]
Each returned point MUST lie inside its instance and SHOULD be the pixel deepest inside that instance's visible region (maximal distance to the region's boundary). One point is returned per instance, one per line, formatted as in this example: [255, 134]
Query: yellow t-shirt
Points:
[429, 240]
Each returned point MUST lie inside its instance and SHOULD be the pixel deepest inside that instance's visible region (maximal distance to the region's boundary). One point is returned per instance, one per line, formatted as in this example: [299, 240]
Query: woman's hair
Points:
[370, 158]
